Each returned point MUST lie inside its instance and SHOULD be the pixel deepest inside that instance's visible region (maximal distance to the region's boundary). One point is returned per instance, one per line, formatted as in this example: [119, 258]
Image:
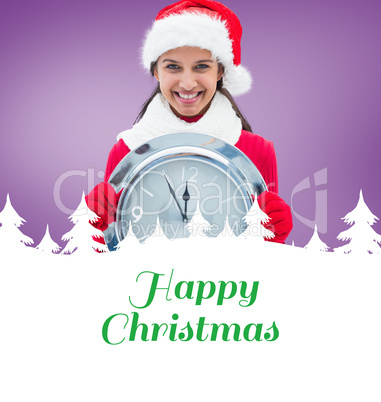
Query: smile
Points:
[184, 96]
[188, 98]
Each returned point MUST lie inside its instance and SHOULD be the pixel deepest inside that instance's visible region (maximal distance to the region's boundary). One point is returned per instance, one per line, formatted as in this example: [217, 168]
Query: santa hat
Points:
[206, 24]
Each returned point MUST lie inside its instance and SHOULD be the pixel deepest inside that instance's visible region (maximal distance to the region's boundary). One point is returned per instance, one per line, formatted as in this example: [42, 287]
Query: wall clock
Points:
[174, 177]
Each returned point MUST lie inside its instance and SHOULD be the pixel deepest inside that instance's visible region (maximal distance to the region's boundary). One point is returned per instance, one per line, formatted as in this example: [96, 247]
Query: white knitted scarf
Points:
[219, 121]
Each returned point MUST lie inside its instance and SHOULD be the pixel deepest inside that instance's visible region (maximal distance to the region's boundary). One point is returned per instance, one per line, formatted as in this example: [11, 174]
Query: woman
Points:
[193, 50]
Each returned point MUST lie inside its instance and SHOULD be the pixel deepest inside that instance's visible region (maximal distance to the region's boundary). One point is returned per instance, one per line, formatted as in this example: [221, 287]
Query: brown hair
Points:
[245, 124]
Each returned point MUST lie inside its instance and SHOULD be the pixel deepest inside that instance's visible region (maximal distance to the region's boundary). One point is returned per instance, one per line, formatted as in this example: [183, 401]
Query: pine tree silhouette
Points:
[198, 225]
[363, 238]
[47, 245]
[315, 243]
[129, 242]
[80, 237]
[227, 231]
[254, 219]
[158, 233]
[11, 236]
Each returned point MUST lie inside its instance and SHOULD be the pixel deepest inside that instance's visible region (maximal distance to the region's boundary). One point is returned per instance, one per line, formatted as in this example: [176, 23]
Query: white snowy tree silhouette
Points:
[11, 236]
[315, 243]
[80, 237]
[254, 219]
[363, 238]
[227, 231]
[47, 245]
[158, 233]
[129, 242]
[198, 225]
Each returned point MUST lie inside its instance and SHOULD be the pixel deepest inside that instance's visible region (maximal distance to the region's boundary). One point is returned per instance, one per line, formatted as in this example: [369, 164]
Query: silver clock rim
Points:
[177, 145]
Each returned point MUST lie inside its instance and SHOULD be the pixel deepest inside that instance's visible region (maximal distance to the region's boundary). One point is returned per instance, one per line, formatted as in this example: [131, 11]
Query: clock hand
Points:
[174, 197]
[186, 197]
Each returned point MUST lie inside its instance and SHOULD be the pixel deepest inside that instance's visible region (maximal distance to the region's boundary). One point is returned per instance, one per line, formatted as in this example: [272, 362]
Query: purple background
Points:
[71, 80]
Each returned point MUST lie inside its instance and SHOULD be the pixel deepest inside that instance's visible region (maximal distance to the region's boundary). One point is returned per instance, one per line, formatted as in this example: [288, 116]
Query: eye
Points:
[202, 66]
[172, 67]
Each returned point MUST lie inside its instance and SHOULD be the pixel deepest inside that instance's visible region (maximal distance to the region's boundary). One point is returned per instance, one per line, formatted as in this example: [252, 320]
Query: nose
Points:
[187, 81]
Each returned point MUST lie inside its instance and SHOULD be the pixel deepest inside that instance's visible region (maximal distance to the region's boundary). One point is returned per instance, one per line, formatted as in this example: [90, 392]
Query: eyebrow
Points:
[196, 62]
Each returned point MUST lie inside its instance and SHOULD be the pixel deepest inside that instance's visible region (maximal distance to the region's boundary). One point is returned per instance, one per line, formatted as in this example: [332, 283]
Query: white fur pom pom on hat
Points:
[206, 24]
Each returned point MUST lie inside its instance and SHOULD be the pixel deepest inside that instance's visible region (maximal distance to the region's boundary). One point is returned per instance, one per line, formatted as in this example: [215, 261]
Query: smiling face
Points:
[188, 79]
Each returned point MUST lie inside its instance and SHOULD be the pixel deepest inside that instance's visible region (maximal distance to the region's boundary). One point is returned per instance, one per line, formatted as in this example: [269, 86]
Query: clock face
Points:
[185, 193]
[188, 183]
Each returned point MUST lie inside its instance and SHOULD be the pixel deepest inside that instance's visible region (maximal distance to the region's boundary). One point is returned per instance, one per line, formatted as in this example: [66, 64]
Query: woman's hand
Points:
[103, 201]
[279, 212]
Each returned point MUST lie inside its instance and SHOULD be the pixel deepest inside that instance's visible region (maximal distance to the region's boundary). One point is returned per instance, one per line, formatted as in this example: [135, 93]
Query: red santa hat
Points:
[206, 24]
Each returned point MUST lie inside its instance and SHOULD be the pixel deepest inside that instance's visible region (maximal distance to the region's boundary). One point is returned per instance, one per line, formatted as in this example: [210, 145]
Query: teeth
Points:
[187, 96]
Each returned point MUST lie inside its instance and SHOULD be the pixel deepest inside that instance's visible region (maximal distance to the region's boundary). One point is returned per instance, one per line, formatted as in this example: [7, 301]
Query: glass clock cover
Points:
[186, 183]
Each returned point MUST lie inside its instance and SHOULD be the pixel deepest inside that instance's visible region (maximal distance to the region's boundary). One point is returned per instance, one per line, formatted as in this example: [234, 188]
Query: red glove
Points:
[103, 201]
[279, 212]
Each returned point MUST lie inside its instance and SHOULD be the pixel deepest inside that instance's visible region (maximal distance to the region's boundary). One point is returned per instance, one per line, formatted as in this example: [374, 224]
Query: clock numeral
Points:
[137, 213]
[194, 171]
